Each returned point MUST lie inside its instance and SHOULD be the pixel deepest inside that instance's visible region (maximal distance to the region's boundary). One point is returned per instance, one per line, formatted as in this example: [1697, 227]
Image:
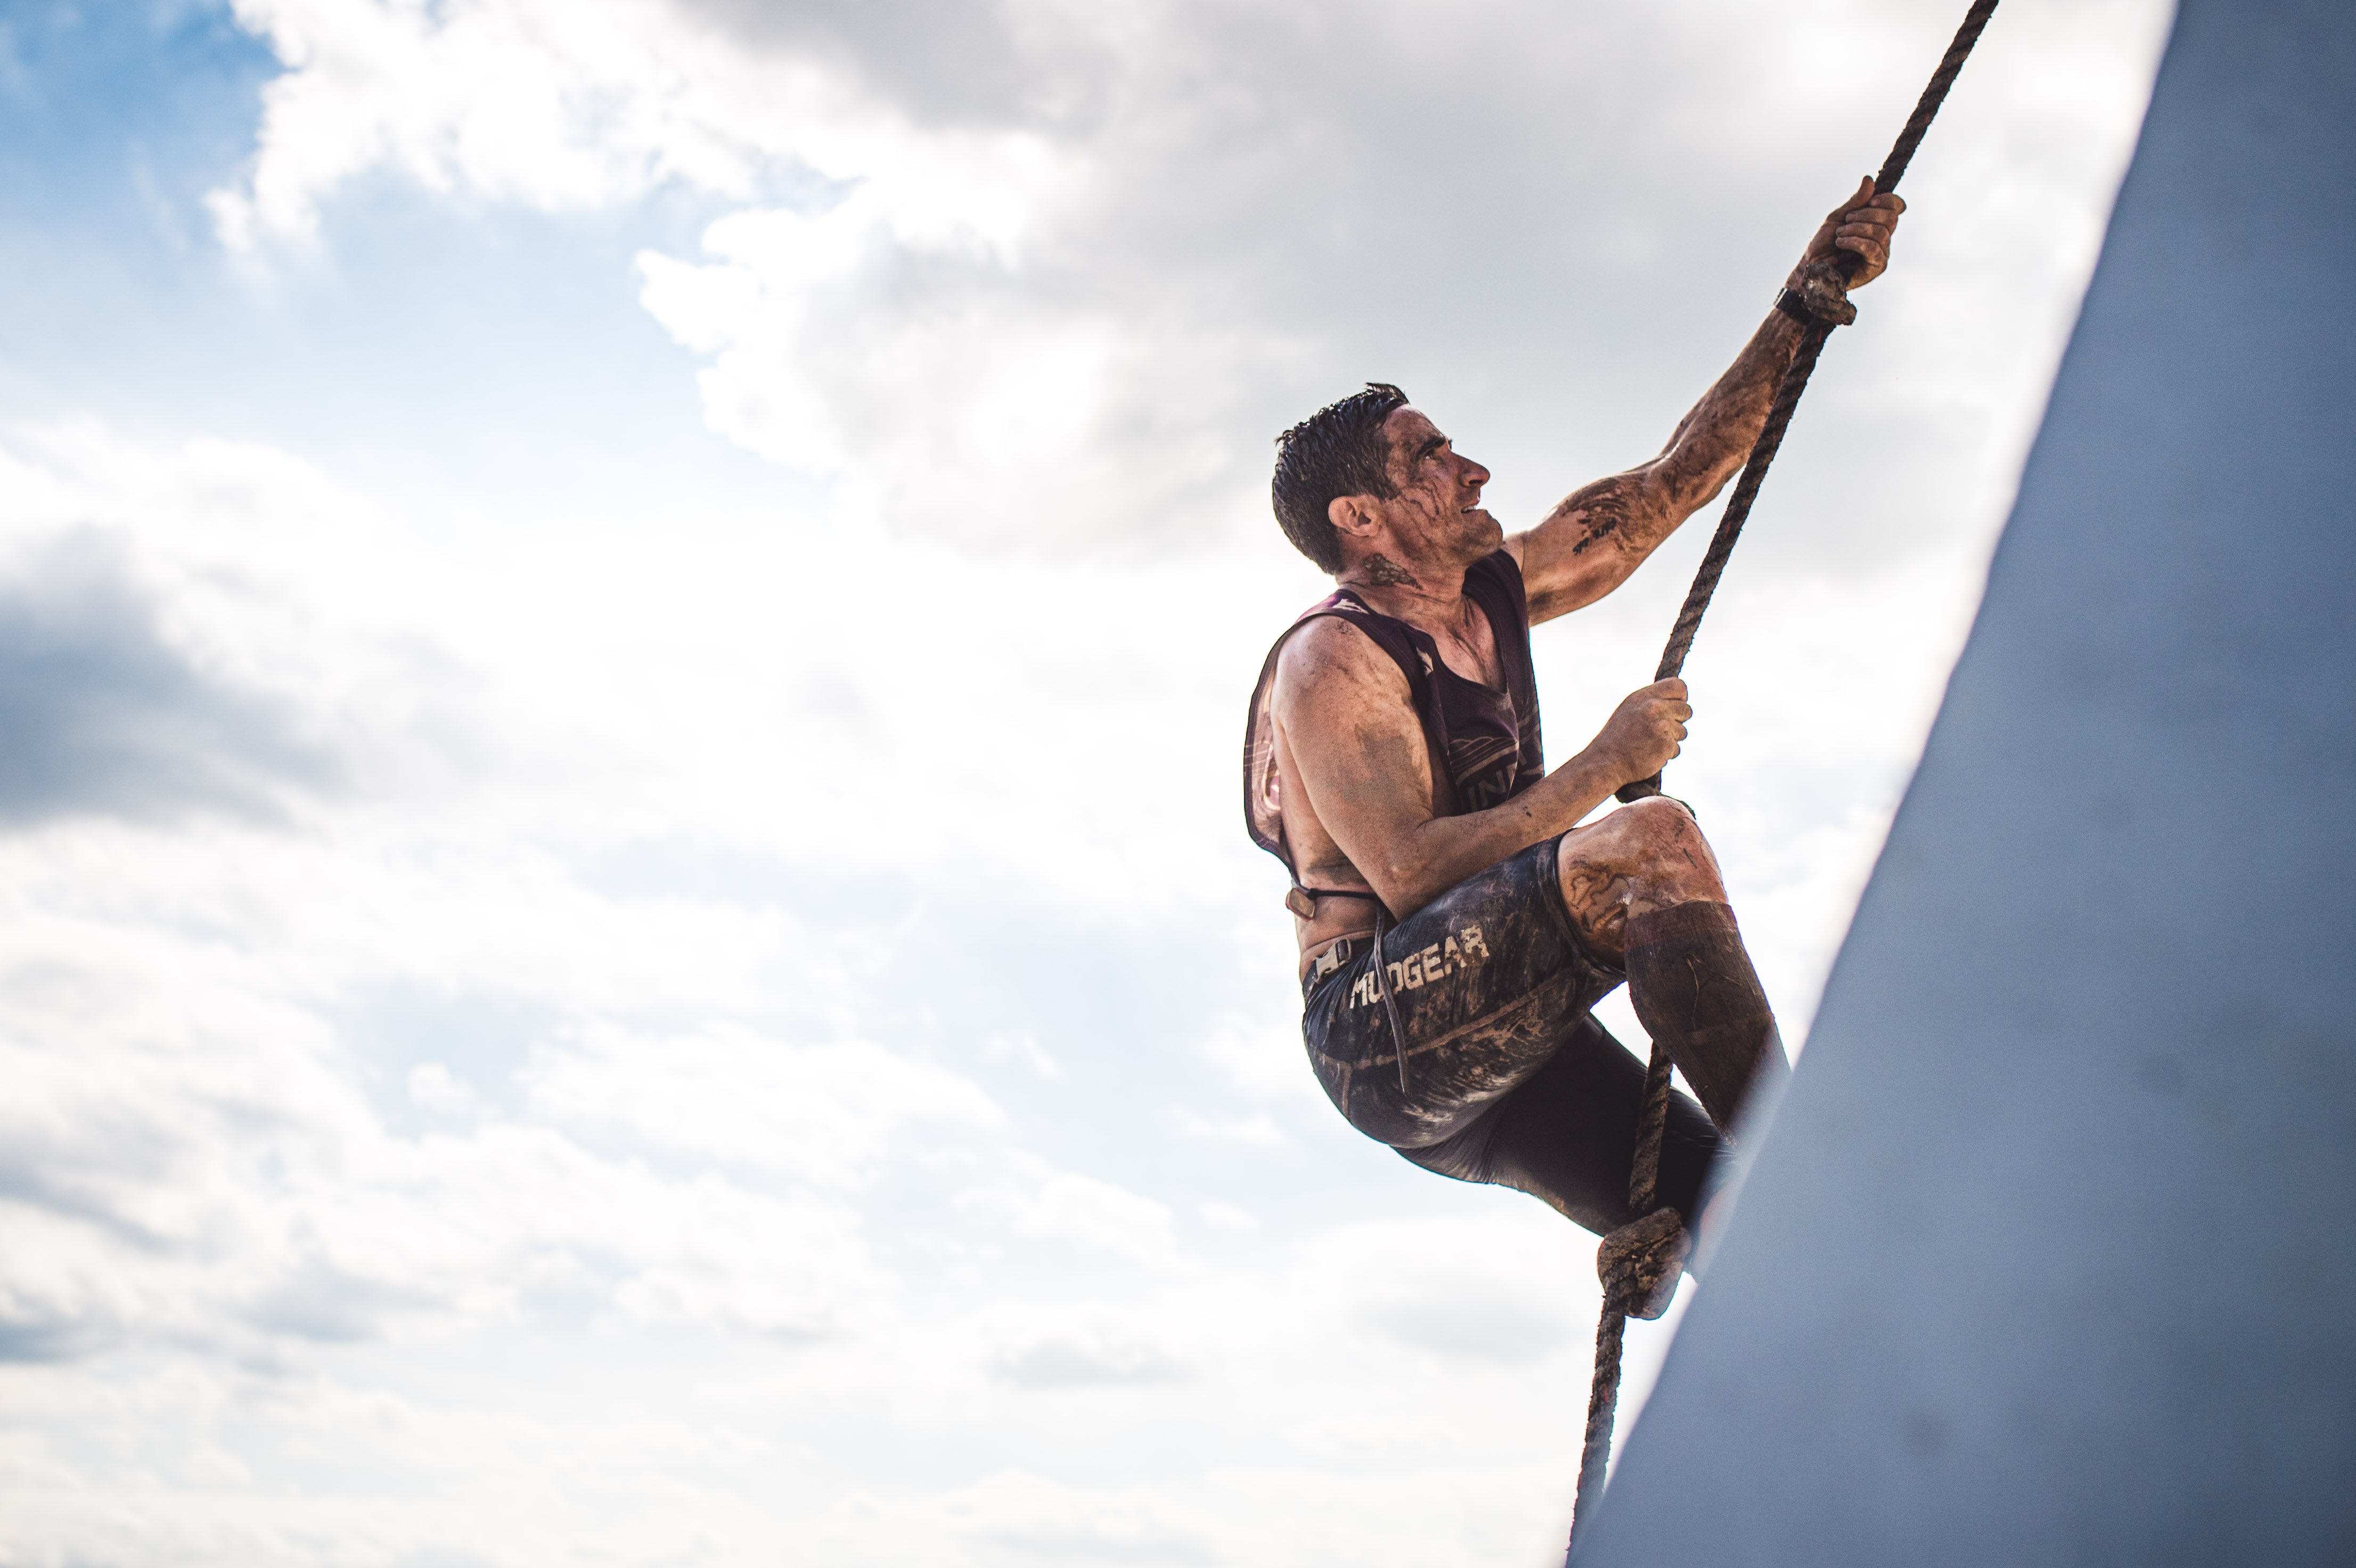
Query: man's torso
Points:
[1475, 698]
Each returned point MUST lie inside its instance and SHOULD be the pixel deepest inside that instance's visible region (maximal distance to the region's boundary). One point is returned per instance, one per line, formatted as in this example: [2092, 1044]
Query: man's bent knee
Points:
[1646, 855]
[1678, 865]
[1647, 836]
[1659, 821]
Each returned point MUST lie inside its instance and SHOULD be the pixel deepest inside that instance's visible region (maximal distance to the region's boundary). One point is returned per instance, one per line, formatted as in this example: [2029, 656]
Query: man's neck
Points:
[1425, 594]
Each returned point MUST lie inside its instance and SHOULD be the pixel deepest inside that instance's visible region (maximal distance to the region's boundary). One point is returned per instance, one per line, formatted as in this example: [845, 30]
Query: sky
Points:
[625, 931]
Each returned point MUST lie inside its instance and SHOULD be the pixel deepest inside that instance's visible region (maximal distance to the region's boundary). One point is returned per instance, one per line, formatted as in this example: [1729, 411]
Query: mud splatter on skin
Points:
[1383, 570]
[1600, 519]
[1648, 852]
[1599, 895]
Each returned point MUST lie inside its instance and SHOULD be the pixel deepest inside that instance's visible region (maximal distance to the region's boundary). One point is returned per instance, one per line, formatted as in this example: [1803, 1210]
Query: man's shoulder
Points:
[1325, 642]
[1335, 649]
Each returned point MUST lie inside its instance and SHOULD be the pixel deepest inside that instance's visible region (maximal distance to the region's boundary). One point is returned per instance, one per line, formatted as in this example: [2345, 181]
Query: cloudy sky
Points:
[624, 935]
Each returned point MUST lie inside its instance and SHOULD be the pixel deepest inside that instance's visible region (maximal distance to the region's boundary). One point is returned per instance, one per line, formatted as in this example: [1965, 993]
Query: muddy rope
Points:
[1640, 1262]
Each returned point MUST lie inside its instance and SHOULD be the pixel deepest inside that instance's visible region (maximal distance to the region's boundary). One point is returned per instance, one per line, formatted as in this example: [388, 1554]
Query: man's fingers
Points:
[1862, 225]
[1873, 257]
[1868, 199]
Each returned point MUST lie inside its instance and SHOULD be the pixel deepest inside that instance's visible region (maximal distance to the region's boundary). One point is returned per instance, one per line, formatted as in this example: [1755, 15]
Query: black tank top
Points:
[1485, 743]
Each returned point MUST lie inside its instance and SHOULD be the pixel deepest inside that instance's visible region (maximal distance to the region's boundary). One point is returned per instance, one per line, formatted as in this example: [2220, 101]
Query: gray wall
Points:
[2050, 1255]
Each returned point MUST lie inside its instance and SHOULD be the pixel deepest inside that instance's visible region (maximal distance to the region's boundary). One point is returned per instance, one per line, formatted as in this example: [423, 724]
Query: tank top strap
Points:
[1494, 582]
[1408, 647]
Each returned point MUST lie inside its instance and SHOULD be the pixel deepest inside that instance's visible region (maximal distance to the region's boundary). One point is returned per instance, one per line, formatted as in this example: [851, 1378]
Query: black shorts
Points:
[1509, 1078]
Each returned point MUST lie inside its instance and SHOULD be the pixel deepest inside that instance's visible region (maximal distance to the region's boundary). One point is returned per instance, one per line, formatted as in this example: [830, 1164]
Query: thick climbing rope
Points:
[1640, 1262]
[1822, 302]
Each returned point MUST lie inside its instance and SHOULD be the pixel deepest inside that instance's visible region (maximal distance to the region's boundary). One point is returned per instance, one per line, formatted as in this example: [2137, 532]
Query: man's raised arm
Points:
[1600, 533]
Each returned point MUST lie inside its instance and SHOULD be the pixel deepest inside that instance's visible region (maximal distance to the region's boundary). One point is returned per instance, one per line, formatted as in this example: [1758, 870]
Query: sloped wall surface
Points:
[2050, 1256]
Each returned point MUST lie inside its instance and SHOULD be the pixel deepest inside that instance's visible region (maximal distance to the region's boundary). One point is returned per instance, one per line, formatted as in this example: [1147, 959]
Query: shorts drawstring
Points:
[1383, 982]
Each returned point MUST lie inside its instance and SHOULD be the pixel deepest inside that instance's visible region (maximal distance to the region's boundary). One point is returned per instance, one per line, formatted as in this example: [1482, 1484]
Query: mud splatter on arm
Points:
[1601, 533]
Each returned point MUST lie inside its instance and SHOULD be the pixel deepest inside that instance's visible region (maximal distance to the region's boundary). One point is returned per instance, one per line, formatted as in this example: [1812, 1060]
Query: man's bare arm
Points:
[1601, 532]
[1351, 724]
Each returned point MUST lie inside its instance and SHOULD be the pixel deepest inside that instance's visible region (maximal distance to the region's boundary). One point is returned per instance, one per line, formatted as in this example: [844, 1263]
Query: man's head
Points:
[1337, 451]
[1369, 473]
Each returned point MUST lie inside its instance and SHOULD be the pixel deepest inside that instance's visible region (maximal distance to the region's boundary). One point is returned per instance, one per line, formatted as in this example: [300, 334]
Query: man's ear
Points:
[1351, 514]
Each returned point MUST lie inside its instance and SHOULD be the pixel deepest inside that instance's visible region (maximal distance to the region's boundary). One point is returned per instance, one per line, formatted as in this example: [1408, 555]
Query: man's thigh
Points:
[1487, 980]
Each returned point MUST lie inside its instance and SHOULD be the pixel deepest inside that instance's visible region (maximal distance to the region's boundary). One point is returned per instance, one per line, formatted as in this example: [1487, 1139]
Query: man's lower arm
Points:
[1450, 848]
[1712, 439]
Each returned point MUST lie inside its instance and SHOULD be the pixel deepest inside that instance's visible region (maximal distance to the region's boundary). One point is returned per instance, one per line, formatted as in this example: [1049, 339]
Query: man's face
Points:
[1437, 507]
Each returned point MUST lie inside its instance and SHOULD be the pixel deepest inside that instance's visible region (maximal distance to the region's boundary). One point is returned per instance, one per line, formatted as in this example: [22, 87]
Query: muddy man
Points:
[1455, 923]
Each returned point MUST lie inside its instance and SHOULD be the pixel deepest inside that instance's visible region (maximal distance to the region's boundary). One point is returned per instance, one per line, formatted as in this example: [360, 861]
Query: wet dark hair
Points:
[1337, 451]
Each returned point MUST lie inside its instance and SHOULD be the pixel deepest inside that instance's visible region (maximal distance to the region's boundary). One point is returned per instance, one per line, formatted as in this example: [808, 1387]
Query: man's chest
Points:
[1470, 651]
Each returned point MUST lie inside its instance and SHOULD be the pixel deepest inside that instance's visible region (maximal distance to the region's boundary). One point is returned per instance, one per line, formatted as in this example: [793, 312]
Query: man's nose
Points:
[1474, 474]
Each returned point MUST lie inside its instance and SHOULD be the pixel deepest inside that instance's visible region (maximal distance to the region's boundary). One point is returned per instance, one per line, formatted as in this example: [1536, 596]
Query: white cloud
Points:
[1054, 1346]
[1036, 1199]
[823, 1113]
[202, 1148]
[1258, 1129]
[1031, 1519]
[436, 1088]
[1228, 1217]
[1264, 1060]
[1458, 1289]
[1024, 1047]
[552, 106]
[1045, 276]
[948, 390]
